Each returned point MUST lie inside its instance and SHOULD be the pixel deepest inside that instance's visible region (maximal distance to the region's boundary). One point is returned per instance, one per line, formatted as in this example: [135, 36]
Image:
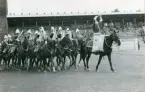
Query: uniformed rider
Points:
[36, 39]
[4, 43]
[96, 25]
[42, 33]
[17, 33]
[59, 34]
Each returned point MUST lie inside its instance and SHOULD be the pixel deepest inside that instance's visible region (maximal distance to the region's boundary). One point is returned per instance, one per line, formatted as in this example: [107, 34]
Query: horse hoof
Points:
[48, 68]
[97, 70]
[113, 71]
[59, 69]
[87, 69]
[78, 65]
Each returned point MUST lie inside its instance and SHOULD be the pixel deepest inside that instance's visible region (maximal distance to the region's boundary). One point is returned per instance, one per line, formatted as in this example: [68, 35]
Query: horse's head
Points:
[115, 37]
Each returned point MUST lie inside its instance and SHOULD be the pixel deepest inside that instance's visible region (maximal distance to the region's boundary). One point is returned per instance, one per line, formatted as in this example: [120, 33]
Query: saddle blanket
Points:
[98, 42]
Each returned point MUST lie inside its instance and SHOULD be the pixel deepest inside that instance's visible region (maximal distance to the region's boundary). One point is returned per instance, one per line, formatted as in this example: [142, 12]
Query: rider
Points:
[29, 34]
[4, 43]
[53, 33]
[42, 33]
[69, 33]
[10, 39]
[111, 25]
[36, 39]
[59, 34]
[17, 32]
[97, 20]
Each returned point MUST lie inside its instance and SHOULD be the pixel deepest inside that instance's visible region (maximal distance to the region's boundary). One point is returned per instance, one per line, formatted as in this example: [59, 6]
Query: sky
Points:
[54, 6]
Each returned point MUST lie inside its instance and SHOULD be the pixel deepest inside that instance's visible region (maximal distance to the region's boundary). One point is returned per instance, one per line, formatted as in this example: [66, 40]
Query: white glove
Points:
[95, 17]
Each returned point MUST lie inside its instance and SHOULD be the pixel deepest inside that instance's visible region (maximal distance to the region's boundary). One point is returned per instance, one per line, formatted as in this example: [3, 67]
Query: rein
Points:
[107, 44]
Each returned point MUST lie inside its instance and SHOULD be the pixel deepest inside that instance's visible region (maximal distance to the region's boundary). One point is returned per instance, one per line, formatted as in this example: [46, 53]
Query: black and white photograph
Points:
[72, 46]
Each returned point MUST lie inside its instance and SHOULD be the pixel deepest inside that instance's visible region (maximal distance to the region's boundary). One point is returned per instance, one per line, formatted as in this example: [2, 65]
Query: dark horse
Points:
[86, 52]
[22, 51]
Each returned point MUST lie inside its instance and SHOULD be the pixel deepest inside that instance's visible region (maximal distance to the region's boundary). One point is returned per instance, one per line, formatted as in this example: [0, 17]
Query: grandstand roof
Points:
[41, 8]
[72, 14]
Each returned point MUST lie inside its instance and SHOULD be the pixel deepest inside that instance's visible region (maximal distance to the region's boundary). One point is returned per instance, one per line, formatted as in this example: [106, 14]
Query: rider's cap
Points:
[52, 28]
[41, 28]
[59, 28]
[77, 30]
[36, 32]
[29, 31]
[9, 36]
[67, 29]
[5, 37]
[17, 31]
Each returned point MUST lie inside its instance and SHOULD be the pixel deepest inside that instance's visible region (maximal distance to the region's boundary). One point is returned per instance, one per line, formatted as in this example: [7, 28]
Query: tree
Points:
[116, 10]
[138, 10]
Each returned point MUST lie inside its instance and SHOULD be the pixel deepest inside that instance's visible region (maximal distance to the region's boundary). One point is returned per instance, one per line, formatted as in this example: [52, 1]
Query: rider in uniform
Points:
[42, 33]
[36, 39]
[53, 34]
[10, 42]
[4, 43]
[59, 34]
[97, 20]
[29, 34]
[15, 38]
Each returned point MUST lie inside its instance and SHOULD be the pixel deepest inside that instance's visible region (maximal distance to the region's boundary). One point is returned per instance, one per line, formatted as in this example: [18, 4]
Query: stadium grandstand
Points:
[80, 19]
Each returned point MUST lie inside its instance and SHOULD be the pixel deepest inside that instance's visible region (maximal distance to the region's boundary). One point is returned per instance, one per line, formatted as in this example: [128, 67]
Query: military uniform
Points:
[4, 44]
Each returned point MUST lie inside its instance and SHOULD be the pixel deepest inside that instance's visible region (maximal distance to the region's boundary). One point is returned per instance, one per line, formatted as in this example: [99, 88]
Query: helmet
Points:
[36, 32]
[9, 36]
[5, 37]
[67, 29]
[60, 28]
[41, 28]
[77, 30]
[29, 31]
[17, 31]
[52, 28]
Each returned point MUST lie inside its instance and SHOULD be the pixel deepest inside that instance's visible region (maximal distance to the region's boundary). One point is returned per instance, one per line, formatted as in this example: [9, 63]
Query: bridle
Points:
[107, 44]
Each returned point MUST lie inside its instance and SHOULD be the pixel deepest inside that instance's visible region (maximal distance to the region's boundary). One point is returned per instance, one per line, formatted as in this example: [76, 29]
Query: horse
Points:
[86, 52]
[65, 45]
[12, 55]
[22, 51]
[46, 51]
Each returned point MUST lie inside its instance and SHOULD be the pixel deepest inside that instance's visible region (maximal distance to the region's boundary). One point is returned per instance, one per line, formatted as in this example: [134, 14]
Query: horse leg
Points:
[63, 65]
[87, 61]
[19, 62]
[109, 58]
[23, 62]
[80, 60]
[9, 59]
[70, 60]
[31, 64]
[44, 64]
[5, 61]
[99, 61]
[52, 64]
